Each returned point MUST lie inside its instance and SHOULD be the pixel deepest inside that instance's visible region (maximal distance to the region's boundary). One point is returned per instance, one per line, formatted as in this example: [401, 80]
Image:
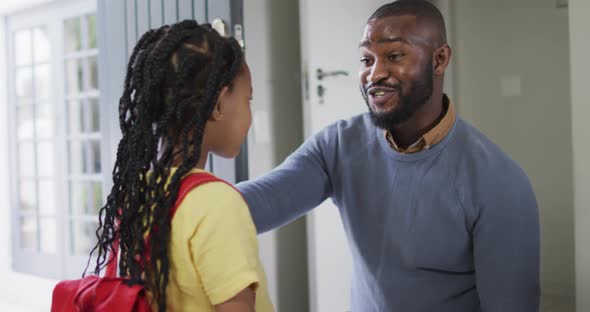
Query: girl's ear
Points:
[219, 106]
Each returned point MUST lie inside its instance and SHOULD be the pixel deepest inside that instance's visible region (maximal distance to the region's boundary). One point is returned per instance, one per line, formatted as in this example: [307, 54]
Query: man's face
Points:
[396, 72]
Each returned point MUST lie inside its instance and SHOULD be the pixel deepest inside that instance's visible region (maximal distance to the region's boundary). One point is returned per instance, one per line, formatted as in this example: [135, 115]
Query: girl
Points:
[187, 93]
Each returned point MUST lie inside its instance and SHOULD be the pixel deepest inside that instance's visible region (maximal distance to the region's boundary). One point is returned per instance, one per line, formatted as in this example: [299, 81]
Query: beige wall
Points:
[498, 43]
[579, 11]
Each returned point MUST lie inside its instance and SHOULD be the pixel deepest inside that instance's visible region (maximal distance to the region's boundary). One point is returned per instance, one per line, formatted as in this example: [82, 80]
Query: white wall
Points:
[579, 11]
[8, 7]
[498, 42]
[273, 53]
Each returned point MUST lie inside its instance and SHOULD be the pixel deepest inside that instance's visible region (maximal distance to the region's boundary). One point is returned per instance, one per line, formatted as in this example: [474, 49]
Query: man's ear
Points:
[442, 58]
[217, 114]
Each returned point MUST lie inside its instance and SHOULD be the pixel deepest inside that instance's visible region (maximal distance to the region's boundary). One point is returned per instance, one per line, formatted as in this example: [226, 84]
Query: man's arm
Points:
[299, 184]
[506, 239]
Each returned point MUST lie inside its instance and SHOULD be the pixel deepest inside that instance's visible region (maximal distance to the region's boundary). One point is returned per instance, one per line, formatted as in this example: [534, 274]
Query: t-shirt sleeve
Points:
[223, 247]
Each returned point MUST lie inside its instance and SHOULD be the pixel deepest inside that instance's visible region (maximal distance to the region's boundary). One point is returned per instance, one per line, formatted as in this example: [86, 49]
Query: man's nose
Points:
[378, 73]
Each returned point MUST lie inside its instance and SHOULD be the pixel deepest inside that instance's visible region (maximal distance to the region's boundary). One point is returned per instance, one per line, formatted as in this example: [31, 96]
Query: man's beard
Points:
[417, 96]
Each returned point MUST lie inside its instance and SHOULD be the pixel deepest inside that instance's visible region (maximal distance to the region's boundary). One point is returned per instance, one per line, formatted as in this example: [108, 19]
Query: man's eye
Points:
[395, 56]
[366, 61]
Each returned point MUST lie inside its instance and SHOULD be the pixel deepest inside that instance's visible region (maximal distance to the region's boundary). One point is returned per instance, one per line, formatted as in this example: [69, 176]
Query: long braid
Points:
[106, 220]
[170, 90]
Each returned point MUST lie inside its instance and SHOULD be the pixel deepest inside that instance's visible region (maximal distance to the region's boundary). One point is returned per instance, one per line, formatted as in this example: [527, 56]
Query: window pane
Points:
[94, 160]
[74, 72]
[42, 76]
[23, 50]
[72, 35]
[26, 159]
[42, 50]
[92, 32]
[77, 153]
[78, 198]
[84, 116]
[85, 157]
[25, 124]
[90, 116]
[45, 120]
[93, 72]
[75, 117]
[94, 125]
[45, 163]
[86, 198]
[23, 101]
[28, 233]
[27, 196]
[47, 198]
[24, 82]
[48, 227]
[97, 202]
[83, 236]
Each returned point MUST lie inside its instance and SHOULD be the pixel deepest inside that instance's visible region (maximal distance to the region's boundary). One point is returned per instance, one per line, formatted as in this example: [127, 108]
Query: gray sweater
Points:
[453, 228]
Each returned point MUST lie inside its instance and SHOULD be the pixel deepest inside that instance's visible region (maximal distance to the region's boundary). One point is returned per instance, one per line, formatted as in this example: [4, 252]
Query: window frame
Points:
[62, 264]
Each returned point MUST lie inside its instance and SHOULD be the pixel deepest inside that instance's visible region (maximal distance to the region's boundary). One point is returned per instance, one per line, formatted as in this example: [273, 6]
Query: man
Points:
[438, 218]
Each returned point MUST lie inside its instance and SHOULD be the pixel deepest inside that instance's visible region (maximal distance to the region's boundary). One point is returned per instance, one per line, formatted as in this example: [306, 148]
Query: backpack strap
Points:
[190, 182]
[187, 184]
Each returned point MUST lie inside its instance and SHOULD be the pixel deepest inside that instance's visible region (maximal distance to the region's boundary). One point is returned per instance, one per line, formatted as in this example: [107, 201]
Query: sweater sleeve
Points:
[298, 185]
[506, 239]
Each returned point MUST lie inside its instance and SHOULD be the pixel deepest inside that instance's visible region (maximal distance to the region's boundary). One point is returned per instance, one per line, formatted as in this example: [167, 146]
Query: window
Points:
[58, 146]
[35, 140]
[83, 136]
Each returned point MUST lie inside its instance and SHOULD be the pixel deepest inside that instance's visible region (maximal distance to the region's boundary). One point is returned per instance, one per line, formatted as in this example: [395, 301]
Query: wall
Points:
[580, 67]
[512, 81]
[273, 52]
[10, 6]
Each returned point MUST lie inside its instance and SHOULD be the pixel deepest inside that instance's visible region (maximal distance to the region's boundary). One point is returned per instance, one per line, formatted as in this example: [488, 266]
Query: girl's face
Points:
[229, 123]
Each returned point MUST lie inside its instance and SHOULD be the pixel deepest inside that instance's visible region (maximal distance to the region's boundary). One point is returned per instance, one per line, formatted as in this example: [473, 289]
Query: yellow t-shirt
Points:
[214, 251]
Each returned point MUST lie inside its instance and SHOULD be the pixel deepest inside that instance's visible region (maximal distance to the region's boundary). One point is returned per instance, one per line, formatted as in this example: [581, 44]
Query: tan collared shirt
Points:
[432, 137]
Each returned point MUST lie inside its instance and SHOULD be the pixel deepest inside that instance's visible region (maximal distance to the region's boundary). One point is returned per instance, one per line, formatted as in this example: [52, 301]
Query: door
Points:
[331, 30]
[122, 22]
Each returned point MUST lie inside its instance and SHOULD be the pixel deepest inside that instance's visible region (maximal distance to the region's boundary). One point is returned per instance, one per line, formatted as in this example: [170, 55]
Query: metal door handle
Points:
[320, 74]
[321, 90]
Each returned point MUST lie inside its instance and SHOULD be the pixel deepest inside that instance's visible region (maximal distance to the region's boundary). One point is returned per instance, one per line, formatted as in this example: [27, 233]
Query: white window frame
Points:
[62, 264]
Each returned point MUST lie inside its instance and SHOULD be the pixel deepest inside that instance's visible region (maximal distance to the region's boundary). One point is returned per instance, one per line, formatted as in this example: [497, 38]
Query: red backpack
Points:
[111, 293]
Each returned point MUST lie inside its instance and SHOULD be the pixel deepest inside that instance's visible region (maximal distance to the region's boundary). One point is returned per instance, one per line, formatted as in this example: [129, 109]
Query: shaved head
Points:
[427, 16]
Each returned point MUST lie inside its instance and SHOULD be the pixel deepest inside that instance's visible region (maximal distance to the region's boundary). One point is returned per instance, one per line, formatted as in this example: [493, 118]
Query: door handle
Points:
[320, 74]
[321, 92]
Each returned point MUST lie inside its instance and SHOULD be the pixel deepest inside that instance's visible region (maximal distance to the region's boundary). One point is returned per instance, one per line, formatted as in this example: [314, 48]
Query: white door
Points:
[331, 30]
